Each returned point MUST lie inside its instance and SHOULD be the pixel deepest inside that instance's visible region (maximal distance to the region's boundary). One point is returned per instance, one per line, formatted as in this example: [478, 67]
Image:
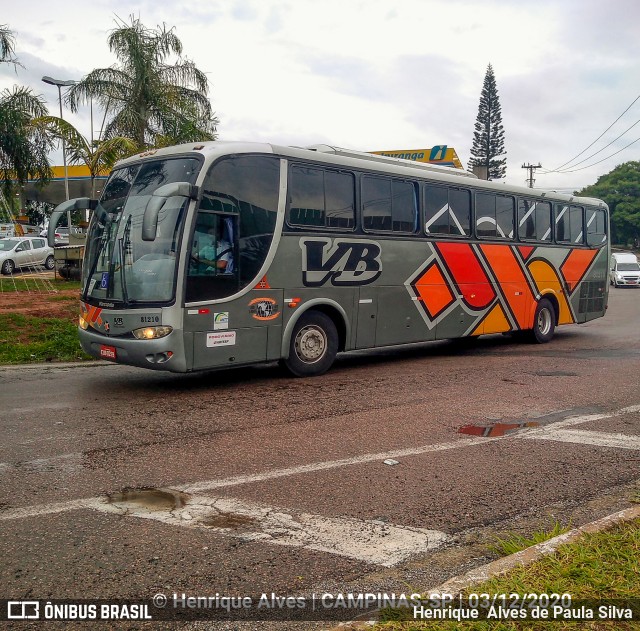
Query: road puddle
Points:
[495, 429]
[149, 499]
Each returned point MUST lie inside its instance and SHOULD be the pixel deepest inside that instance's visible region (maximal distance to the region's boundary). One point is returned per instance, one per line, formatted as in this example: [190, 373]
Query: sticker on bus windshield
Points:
[228, 338]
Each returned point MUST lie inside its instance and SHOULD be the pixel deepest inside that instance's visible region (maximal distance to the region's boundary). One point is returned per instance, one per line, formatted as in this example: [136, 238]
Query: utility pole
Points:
[531, 168]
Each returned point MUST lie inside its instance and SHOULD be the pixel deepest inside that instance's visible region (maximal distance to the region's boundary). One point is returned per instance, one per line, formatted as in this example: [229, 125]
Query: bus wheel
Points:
[544, 322]
[314, 344]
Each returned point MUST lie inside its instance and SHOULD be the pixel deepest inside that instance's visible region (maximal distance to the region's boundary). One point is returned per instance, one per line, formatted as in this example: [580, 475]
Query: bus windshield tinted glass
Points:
[119, 266]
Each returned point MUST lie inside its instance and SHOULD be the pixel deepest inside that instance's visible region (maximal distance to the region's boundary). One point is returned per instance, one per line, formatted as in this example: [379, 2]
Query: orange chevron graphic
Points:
[434, 291]
[91, 314]
[511, 278]
[526, 251]
[494, 322]
[547, 282]
[575, 266]
[470, 278]
[494, 281]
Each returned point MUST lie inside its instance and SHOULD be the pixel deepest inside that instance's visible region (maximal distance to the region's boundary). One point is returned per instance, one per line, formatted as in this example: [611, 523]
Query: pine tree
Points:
[488, 138]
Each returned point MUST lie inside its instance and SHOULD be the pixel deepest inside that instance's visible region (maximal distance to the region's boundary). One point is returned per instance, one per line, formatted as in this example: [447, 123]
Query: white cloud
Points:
[369, 74]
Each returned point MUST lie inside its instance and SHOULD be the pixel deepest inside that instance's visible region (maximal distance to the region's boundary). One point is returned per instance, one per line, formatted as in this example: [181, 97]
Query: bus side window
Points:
[577, 228]
[321, 198]
[543, 221]
[485, 215]
[526, 219]
[447, 211]
[534, 220]
[563, 232]
[596, 226]
[404, 206]
[376, 203]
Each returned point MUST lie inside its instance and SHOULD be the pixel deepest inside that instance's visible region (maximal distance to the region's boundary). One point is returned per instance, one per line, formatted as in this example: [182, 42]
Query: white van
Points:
[624, 269]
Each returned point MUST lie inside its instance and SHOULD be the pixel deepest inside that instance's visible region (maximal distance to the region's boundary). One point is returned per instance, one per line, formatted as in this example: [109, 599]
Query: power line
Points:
[596, 140]
[599, 161]
[597, 152]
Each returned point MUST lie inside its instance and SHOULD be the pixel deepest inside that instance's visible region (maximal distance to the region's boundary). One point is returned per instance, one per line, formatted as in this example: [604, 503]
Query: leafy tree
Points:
[23, 148]
[99, 156]
[620, 189]
[149, 100]
[37, 212]
[488, 137]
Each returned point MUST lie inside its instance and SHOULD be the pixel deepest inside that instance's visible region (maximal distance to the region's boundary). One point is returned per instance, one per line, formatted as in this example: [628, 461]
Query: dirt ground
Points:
[40, 301]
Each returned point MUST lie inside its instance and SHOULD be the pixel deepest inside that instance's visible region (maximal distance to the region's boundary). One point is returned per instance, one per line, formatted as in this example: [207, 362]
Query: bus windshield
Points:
[119, 265]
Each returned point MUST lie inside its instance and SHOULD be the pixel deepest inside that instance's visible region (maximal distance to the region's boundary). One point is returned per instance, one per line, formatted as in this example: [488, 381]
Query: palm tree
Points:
[23, 148]
[148, 99]
[98, 156]
[7, 45]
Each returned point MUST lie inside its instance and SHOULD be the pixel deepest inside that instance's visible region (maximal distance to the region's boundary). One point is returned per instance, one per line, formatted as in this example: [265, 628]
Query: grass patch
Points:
[28, 284]
[515, 543]
[603, 566]
[25, 339]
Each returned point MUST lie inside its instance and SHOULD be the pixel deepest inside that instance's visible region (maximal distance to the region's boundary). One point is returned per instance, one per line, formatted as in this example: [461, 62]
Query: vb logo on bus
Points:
[343, 262]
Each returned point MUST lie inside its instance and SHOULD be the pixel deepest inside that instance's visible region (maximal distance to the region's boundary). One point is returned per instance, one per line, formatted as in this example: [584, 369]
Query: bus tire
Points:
[313, 346]
[544, 322]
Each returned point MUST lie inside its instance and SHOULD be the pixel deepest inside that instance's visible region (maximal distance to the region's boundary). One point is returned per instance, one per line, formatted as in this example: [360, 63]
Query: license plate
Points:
[108, 352]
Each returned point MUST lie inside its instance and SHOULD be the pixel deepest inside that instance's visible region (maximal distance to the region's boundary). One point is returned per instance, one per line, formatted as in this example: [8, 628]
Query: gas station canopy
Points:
[79, 181]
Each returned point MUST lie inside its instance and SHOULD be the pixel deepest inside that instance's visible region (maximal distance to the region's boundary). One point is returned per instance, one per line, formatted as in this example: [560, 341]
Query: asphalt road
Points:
[122, 483]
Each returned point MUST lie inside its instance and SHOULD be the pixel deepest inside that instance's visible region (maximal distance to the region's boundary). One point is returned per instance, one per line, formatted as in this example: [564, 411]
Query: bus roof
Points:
[337, 156]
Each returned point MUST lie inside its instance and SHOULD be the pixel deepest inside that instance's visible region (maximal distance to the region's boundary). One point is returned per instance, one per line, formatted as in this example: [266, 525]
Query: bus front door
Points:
[243, 331]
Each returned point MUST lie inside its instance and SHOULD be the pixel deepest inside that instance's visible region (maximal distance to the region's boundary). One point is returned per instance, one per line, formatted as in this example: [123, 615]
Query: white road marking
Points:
[209, 485]
[48, 509]
[363, 540]
[332, 464]
[558, 432]
[584, 437]
[92, 502]
[370, 541]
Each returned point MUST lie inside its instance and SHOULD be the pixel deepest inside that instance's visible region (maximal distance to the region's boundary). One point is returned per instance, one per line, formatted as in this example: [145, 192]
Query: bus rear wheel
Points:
[313, 347]
[544, 322]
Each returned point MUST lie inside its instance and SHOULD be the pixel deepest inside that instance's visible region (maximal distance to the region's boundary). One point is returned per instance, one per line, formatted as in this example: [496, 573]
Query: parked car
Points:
[16, 252]
[62, 234]
[624, 269]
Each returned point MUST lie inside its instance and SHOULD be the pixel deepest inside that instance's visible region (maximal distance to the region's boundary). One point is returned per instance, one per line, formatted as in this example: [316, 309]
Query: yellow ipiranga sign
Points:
[439, 154]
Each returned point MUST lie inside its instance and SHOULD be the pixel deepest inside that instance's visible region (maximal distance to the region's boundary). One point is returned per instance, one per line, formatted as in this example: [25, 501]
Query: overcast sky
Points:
[378, 75]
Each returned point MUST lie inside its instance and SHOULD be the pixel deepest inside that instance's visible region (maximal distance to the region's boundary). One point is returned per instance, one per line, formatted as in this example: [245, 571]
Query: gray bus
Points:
[219, 254]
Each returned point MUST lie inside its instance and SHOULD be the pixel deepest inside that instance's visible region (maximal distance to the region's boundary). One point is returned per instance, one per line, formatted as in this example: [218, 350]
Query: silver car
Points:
[16, 252]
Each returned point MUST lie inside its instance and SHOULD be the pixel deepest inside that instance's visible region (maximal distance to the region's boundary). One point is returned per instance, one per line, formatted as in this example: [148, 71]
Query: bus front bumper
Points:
[166, 353]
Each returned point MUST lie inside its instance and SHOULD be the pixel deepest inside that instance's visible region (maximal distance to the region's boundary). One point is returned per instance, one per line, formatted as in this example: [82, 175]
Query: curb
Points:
[502, 566]
[49, 365]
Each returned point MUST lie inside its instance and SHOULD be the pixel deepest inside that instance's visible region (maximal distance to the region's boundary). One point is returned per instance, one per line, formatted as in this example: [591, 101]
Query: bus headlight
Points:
[82, 323]
[151, 332]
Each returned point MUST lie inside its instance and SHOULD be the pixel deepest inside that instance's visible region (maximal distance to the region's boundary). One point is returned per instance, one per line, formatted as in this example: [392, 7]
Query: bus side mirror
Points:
[81, 203]
[158, 200]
